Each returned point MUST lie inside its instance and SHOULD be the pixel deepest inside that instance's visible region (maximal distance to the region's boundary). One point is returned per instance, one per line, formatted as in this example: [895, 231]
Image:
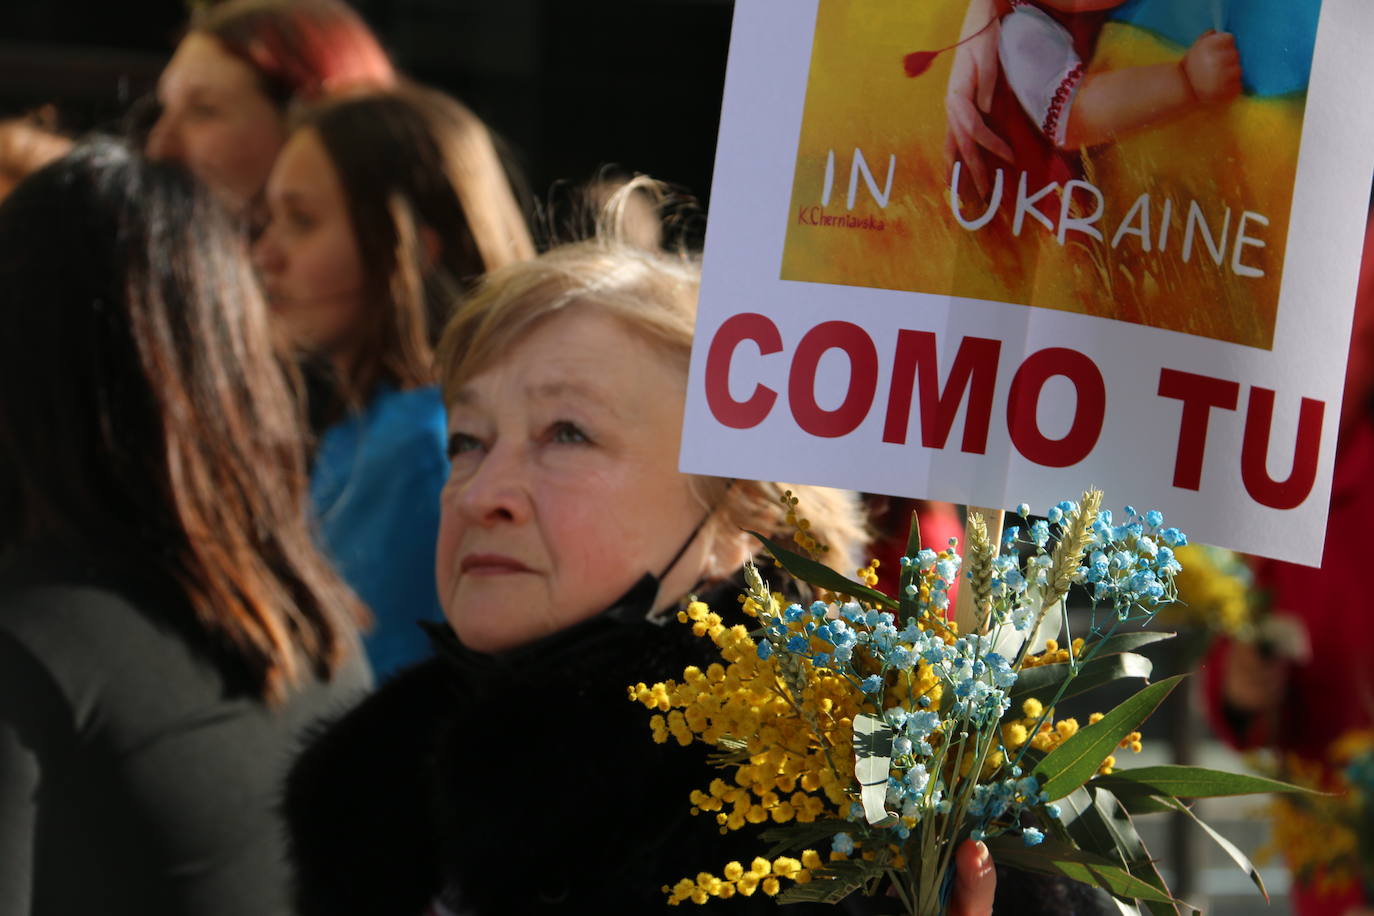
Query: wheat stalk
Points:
[980, 556]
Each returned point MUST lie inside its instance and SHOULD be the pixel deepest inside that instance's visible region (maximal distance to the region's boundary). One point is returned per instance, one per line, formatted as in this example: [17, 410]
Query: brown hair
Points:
[416, 166]
[146, 417]
[654, 294]
[301, 50]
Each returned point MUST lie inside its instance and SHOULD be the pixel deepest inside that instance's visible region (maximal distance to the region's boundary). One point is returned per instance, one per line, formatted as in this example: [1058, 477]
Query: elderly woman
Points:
[511, 775]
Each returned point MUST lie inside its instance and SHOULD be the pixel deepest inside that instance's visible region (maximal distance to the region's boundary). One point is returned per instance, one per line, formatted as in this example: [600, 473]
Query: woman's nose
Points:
[164, 140]
[498, 490]
[267, 254]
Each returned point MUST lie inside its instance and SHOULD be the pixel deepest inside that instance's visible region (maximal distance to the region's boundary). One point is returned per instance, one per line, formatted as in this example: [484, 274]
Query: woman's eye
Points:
[202, 110]
[300, 221]
[460, 444]
[566, 432]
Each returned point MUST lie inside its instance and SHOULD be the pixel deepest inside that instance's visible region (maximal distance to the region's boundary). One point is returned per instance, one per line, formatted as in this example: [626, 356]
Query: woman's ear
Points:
[730, 549]
[430, 244]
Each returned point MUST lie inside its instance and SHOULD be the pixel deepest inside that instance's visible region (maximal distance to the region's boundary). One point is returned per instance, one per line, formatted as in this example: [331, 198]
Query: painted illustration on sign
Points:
[1133, 162]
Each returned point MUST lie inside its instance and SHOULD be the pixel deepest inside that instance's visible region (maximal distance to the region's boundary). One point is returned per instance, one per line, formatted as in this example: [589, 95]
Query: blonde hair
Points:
[654, 294]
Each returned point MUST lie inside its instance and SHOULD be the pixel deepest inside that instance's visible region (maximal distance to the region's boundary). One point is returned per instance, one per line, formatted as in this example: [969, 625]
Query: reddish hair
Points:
[300, 49]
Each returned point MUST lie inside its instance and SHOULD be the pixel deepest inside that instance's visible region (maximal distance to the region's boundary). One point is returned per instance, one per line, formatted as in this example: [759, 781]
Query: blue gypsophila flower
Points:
[921, 723]
[946, 570]
[1032, 837]
[872, 684]
[901, 658]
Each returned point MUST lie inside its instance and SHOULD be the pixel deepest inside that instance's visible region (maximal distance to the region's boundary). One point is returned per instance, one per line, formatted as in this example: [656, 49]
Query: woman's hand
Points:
[975, 881]
[969, 97]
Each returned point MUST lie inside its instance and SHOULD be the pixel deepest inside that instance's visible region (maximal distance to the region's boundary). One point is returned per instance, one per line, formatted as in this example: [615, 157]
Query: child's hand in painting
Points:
[1212, 67]
[972, 78]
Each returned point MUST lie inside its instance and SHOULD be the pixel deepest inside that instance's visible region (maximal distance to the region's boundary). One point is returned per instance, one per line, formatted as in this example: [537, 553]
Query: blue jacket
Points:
[375, 491]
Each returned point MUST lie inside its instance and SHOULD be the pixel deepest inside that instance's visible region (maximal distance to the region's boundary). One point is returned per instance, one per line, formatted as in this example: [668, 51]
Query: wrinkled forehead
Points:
[591, 358]
[552, 388]
[505, 331]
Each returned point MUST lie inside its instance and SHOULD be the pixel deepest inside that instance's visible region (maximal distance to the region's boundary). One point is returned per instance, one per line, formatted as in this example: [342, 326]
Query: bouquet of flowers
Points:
[872, 737]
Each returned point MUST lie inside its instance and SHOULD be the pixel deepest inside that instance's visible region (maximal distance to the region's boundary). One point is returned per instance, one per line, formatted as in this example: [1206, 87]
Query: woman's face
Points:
[564, 488]
[308, 254]
[216, 119]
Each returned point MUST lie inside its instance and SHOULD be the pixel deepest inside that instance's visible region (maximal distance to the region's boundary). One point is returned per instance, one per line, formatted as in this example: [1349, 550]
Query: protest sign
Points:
[1151, 292]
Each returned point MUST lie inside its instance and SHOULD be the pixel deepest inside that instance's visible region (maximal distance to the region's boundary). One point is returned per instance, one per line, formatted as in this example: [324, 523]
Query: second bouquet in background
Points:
[873, 738]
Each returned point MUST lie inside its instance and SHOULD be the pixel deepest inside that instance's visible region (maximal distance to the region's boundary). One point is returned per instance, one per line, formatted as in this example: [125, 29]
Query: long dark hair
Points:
[144, 414]
[414, 162]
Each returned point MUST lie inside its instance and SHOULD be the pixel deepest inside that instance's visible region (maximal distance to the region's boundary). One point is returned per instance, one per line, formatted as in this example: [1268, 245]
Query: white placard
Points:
[1175, 334]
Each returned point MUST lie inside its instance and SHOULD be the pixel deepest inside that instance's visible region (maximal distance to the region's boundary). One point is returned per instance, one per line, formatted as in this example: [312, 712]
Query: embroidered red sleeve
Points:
[1051, 126]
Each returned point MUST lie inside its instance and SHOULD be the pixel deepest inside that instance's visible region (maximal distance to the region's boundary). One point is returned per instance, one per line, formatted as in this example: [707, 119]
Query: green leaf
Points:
[1123, 642]
[1190, 782]
[1043, 681]
[1142, 803]
[913, 538]
[1053, 857]
[822, 576]
[1230, 848]
[1075, 761]
[1093, 829]
[908, 603]
[1099, 823]
[833, 883]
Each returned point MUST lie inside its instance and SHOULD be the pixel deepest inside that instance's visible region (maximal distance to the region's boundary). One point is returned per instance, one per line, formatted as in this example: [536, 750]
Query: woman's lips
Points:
[491, 564]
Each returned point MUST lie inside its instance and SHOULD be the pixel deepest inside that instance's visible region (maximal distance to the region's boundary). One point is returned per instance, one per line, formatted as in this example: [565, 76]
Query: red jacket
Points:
[1334, 692]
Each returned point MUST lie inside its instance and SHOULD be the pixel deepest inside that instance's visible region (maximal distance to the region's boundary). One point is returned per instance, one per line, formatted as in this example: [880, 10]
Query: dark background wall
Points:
[570, 84]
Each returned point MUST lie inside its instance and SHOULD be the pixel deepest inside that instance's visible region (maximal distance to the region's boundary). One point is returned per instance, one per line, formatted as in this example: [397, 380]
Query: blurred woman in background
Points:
[225, 94]
[383, 210]
[167, 626]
